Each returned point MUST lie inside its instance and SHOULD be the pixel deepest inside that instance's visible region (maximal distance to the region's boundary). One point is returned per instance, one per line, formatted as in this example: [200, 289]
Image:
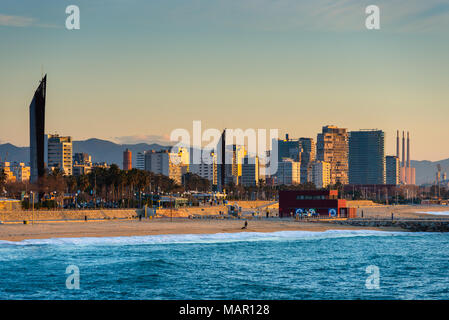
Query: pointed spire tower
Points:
[37, 129]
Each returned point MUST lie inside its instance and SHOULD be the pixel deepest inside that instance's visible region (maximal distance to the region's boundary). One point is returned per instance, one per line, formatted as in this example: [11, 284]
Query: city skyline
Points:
[292, 74]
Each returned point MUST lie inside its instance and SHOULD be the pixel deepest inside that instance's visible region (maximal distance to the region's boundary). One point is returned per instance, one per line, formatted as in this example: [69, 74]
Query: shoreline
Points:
[129, 228]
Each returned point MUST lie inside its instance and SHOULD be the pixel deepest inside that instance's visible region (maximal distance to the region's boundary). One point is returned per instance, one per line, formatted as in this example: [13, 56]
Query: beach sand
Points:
[403, 211]
[121, 228]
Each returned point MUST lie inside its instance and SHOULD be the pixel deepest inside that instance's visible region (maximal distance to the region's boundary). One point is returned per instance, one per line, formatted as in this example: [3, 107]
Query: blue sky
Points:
[138, 69]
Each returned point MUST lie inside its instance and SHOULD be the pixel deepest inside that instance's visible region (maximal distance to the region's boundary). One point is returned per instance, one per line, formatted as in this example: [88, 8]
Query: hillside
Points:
[100, 150]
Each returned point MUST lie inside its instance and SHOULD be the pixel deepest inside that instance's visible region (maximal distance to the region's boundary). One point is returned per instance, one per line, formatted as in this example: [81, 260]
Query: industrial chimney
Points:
[403, 149]
[397, 144]
[408, 150]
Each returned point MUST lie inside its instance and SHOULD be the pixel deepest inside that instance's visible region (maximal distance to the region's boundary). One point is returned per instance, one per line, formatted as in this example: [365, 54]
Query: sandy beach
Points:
[122, 228]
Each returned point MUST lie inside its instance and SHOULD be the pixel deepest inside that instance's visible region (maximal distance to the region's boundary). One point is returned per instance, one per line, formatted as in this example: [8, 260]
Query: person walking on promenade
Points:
[245, 225]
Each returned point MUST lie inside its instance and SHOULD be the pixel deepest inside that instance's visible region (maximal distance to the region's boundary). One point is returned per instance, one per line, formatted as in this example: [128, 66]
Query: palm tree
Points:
[2, 179]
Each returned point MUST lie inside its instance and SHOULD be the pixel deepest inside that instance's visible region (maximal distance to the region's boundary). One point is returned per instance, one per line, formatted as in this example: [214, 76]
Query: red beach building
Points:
[322, 203]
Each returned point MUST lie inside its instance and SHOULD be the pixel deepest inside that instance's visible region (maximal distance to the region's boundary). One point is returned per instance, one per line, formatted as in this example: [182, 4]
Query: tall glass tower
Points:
[37, 128]
[367, 157]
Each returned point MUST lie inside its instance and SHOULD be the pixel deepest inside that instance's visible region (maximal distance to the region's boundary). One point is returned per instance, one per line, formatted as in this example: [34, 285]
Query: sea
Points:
[335, 264]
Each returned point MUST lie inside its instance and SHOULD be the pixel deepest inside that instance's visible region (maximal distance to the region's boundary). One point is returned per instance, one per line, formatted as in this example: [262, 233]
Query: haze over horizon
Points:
[137, 70]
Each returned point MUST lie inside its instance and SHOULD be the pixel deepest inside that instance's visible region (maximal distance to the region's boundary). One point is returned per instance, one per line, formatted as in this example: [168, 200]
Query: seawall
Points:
[48, 215]
[434, 225]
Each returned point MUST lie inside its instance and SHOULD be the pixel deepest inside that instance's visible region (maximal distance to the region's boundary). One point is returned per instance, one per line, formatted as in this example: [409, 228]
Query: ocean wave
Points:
[437, 213]
[207, 238]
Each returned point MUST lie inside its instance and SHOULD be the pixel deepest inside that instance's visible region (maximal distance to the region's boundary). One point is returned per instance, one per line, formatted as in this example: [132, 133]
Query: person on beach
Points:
[245, 225]
[392, 216]
[85, 218]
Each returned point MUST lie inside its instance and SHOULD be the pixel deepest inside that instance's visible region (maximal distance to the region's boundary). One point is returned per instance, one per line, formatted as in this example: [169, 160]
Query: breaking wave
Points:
[207, 238]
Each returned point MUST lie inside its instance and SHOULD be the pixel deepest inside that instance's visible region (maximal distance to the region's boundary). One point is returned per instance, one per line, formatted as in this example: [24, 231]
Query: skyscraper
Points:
[289, 172]
[393, 171]
[367, 157]
[300, 150]
[37, 129]
[140, 160]
[307, 157]
[221, 162]
[127, 159]
[332, 147]
[289, 148]
[250, 171]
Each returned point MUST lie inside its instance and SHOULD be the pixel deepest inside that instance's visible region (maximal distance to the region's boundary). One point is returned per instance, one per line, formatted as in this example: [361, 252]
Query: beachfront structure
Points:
[392, 174]
[250, 171]
[127, 159]
[320, 174]
[10, 204]
[332, 147]
[323, 203]
[60, 153]
[367, 157]
[289, 172]
[37, 127]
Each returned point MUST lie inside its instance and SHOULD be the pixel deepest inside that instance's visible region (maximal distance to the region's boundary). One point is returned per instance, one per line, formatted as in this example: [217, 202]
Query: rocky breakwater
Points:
[424, 225]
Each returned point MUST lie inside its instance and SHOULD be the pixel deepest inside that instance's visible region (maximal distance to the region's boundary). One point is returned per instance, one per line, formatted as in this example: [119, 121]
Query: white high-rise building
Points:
[170, 164]
[321, 174]
[60, 153]
[140, 160]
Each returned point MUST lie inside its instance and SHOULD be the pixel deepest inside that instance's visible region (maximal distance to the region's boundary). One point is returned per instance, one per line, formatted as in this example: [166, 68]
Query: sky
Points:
[138, 69]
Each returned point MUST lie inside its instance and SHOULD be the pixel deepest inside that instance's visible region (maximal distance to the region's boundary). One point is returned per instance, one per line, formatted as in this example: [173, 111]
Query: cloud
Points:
[15, 21]
[316, 15]
[20, 21]
[143, 138]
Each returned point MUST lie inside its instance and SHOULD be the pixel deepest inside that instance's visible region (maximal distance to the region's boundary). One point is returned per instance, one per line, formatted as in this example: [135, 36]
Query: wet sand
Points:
[123, 228]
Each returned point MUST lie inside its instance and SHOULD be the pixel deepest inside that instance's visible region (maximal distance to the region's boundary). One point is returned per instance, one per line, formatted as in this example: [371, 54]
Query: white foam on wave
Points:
[206, 238]
[437, 213]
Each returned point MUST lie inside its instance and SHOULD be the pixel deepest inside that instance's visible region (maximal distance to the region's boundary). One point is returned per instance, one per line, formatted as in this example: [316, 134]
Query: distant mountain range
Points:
[100, 150]
[110, 152]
